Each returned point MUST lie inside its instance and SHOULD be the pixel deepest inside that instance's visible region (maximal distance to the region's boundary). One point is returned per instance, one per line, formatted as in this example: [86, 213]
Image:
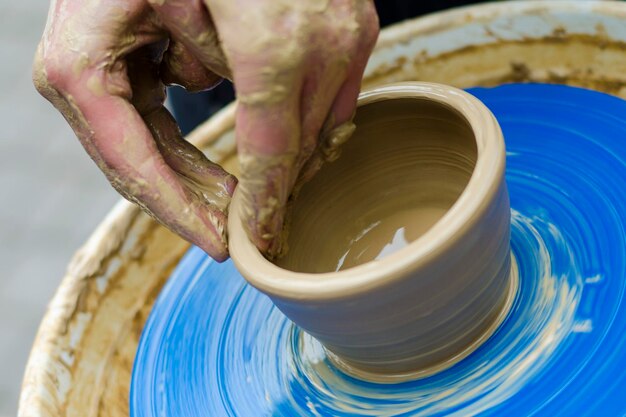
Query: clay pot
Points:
[399, 257]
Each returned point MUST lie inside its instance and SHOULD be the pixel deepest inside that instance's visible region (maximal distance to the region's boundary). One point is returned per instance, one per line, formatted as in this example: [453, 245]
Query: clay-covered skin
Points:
[295, 65]
[301, 65]
[405, 166]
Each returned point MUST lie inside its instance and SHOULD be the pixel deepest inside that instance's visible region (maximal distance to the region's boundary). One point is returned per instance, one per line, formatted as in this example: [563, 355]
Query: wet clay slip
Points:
[399, 256]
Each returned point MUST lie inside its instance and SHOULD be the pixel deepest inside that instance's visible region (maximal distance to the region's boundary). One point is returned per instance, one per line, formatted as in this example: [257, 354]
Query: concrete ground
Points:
[52, 195]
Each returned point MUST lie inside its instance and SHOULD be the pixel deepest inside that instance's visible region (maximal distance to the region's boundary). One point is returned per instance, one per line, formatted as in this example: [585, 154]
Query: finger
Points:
[268, 142]
[132, 162]
[190, 23]
[337, 127]
[345, 103]
[181, 67]
[319, 91]
[206, 179]
[206, 183]
[90, 80]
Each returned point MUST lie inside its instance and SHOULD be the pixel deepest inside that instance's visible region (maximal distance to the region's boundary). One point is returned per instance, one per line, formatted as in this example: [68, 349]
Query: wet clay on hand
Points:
[404, 167]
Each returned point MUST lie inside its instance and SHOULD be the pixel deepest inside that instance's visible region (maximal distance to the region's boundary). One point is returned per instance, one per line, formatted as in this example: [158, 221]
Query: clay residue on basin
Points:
[590, 61]
[405, 166]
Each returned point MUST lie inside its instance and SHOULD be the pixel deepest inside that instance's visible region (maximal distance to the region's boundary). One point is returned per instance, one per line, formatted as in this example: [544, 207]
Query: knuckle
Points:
[54, 74]
[40, 76]
[347, 44]
[50, 72]
[341, 38]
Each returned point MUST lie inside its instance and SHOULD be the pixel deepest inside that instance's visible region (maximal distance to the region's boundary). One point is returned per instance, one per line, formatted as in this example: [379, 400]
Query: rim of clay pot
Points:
[486, 177]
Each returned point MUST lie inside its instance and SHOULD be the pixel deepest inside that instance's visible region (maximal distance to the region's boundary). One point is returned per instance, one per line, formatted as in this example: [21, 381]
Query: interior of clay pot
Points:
[407, 163]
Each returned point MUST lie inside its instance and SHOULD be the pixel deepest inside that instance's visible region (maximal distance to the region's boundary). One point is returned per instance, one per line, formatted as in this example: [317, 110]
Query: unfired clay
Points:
[399, 258]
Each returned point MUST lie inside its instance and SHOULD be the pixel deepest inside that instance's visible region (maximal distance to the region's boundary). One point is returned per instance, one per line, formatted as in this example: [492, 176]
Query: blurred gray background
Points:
[52, 195]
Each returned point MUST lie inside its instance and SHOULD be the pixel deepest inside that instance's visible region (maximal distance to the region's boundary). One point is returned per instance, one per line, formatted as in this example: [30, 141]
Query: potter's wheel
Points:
[215, 346]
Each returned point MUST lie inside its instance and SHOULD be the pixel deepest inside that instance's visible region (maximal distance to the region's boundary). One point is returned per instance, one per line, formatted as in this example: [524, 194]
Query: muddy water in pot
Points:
[405, 166]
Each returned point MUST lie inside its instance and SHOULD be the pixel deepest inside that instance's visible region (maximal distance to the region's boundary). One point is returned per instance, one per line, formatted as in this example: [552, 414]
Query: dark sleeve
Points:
[393, 11]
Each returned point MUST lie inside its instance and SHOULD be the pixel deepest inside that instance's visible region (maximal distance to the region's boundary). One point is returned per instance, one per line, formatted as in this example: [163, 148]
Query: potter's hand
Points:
[103, 64]
[297, 68]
